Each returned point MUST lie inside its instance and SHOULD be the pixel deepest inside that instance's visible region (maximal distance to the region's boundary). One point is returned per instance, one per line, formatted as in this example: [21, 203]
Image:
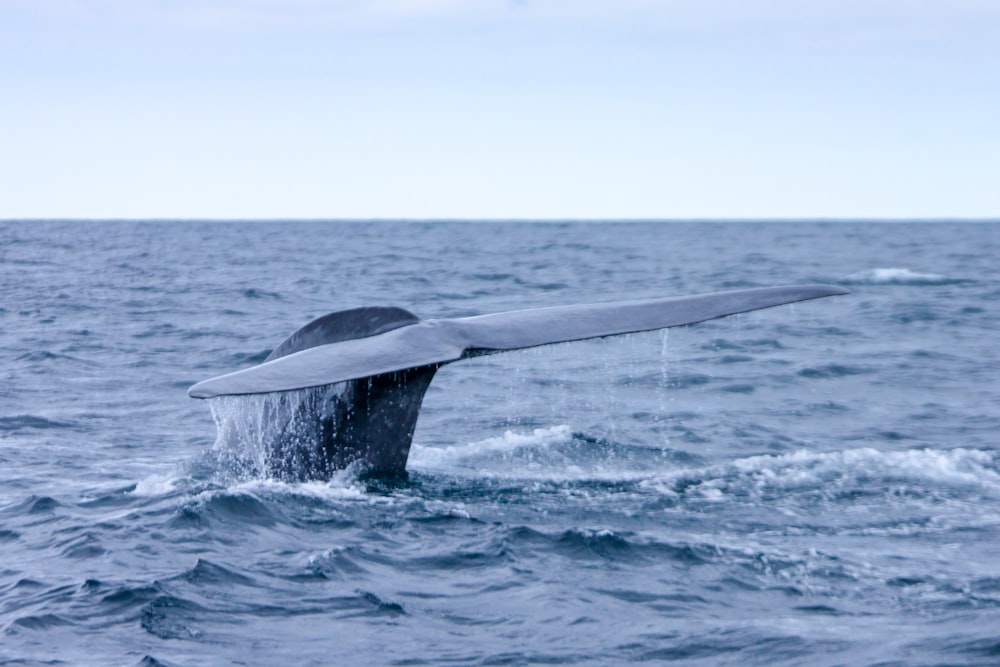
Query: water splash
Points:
[279, 435]
[896, 276]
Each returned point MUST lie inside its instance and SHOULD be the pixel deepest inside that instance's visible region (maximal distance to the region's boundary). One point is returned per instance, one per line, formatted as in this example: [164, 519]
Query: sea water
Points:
[816, 484]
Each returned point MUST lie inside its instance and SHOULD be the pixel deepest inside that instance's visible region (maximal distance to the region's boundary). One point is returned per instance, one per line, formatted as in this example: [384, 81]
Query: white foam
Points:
[954, 468]
[895, 276]
[440, 508]
[539, 438]
[158, 485]
[340, 488]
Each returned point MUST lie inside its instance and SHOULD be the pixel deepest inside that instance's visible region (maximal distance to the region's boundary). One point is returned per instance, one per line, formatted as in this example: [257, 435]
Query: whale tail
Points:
[359, 376]
[365, 422]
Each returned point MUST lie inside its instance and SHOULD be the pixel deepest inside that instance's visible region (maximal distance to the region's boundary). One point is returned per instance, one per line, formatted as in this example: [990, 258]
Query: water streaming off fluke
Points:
[280, 435]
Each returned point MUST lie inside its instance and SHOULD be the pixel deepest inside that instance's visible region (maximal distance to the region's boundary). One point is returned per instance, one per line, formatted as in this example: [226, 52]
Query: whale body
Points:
[347, 387]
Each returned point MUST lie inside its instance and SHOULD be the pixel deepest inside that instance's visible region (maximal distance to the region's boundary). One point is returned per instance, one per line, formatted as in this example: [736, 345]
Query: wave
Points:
[554, 454]
[837, 472]
[266, 503]
[344, 485]
[40, 622]
[24, 422]
[561, 457]
[170, 617]
[159, 485]
[44, 356]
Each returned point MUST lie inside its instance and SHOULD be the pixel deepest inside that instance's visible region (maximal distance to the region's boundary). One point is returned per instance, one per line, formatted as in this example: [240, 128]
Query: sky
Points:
[542, 109]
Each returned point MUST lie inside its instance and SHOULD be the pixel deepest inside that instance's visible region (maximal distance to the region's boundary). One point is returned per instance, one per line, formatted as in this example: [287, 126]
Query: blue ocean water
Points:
[816, 484]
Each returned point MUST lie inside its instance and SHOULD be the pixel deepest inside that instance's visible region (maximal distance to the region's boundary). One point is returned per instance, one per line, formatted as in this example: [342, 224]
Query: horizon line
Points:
[547, 220]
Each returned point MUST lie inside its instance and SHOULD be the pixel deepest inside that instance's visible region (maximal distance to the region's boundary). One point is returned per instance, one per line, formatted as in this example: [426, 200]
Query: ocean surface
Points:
[814, 484]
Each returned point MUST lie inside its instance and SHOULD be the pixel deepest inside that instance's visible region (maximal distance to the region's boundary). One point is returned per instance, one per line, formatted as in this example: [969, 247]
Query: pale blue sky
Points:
[499, 109]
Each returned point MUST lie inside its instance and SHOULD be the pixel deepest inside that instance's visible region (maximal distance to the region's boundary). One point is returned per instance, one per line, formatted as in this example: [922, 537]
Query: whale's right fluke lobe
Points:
[544, 326]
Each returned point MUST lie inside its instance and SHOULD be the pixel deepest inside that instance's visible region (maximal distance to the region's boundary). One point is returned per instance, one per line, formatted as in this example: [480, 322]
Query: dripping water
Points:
[278, 435]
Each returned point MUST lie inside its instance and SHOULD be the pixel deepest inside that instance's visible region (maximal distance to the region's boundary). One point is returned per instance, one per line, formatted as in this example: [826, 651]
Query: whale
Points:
[345, 390]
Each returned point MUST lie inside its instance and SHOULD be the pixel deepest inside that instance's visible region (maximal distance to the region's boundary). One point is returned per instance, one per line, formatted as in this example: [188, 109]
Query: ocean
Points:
[812, 484]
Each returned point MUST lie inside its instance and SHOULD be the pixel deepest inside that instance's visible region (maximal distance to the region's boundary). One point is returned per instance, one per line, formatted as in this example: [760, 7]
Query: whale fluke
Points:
[344, 325]
[386, 358]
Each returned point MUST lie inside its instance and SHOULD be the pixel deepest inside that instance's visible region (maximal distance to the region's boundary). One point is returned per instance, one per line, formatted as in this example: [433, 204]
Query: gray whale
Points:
[359, 375]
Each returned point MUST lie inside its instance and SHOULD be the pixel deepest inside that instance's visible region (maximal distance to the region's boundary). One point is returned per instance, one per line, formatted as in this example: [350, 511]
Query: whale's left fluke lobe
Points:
[388, 356]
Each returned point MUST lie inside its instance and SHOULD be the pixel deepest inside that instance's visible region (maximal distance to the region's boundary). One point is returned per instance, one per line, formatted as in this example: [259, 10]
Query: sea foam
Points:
[895, 276]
